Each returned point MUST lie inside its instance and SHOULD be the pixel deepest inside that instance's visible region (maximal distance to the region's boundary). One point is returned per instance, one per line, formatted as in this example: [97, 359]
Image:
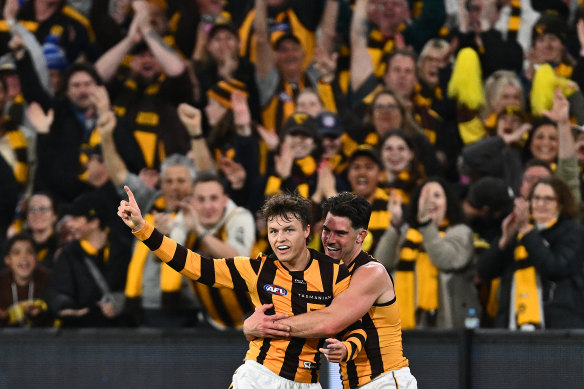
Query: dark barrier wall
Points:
[190, 359]
[528, 360]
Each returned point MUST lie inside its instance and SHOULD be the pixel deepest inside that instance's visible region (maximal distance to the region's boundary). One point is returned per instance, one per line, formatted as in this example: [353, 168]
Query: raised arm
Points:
[568, 168]
[114, 163]
[169, 59]
[106, 124]
[200, 154]
[387, 250]
[33, 47]
[208, 271]
[361, 64]
[109, 62]
[328, 25]
[265, 54]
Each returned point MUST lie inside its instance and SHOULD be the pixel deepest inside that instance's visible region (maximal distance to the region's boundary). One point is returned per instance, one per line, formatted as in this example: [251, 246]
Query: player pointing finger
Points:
[129, 211]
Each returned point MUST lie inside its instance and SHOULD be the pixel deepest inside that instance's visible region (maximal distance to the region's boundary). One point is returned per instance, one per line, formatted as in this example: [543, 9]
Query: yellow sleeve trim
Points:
[145, 232]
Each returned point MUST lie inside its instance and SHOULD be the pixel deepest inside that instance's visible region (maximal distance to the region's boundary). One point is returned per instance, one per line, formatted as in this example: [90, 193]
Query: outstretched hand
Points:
[325, 63]
[100, 99]
[10, 9]
[269, 136]
[234, 172]
[394, 207]
[190, 217]
[260, 325]
[40, 120]
[129, 212]
[335, 351]
[560, 112]
[516, 135]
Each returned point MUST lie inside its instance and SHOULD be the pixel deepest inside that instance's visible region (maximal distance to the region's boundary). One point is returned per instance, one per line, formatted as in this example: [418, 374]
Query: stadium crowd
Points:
[459, 121]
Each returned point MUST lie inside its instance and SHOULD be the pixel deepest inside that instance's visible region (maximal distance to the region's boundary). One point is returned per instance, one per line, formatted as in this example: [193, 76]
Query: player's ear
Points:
[361, 235]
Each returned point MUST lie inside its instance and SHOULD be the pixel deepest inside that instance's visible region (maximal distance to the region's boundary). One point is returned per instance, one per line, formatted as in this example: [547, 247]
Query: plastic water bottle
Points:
[472, 321]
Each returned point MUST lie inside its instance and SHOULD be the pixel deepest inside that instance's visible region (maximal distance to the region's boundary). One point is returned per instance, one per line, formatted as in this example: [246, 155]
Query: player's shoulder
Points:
[364, 258]
[366, 263]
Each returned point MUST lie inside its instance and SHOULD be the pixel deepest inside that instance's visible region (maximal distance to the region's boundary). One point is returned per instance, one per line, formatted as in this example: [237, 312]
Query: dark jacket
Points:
[556, 253]
[72, 286]
[58, 152]
[491, 157]
[8, 199]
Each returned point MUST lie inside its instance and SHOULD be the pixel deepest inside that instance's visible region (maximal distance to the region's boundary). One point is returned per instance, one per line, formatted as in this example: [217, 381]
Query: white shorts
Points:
[252, 375]
[398, 379]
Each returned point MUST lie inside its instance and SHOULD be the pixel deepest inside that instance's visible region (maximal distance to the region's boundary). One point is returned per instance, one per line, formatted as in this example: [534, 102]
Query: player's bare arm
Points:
[369, 284]
[260, 323]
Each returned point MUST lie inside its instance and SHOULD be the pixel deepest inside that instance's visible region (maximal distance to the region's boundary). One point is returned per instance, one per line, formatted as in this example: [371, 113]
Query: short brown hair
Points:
[565, 199]
[286, 204]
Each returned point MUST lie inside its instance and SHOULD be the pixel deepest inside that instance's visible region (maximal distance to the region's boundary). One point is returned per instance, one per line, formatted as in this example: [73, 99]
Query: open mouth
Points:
[23, 266]
[546, 150]
[283, 248]
[333, 248]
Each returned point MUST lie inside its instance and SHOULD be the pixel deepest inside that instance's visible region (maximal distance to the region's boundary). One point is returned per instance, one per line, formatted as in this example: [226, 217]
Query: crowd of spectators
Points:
[459, 121]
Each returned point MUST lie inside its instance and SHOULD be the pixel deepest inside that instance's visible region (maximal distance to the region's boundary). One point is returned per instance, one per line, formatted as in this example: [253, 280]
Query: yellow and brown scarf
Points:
[224, 307]
[526, 294]
[170, 280]
[416, 279]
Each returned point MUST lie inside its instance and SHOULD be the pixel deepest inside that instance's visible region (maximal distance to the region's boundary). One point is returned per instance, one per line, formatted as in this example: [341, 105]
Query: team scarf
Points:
[223, 307]
[514, 20]
[403, 184]
[302, 170]
[416, 278]
[526, 292]
[170, 280]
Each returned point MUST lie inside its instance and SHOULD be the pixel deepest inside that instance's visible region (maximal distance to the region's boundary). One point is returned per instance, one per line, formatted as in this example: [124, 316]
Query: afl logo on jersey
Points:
[275, 289]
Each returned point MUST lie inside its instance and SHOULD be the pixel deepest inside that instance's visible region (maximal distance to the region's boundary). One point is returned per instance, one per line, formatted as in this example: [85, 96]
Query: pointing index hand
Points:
[130, 213]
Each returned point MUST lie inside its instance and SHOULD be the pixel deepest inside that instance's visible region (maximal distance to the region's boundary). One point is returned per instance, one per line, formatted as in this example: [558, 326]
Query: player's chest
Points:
[295, 292]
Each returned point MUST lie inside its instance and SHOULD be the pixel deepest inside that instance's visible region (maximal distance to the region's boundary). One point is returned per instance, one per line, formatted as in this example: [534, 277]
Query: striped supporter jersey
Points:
[268, 282]
[383, 349]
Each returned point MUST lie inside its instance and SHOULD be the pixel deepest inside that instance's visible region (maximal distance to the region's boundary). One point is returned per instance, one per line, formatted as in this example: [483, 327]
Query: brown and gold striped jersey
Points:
[268, 282]
[383, 349]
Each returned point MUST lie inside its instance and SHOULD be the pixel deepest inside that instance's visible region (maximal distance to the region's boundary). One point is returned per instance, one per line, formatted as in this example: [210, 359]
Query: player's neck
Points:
[354, 254]
[300, 263]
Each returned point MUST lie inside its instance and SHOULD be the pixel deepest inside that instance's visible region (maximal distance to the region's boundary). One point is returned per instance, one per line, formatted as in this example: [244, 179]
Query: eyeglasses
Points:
[43, 209]
[545, 199]
[386, 107]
